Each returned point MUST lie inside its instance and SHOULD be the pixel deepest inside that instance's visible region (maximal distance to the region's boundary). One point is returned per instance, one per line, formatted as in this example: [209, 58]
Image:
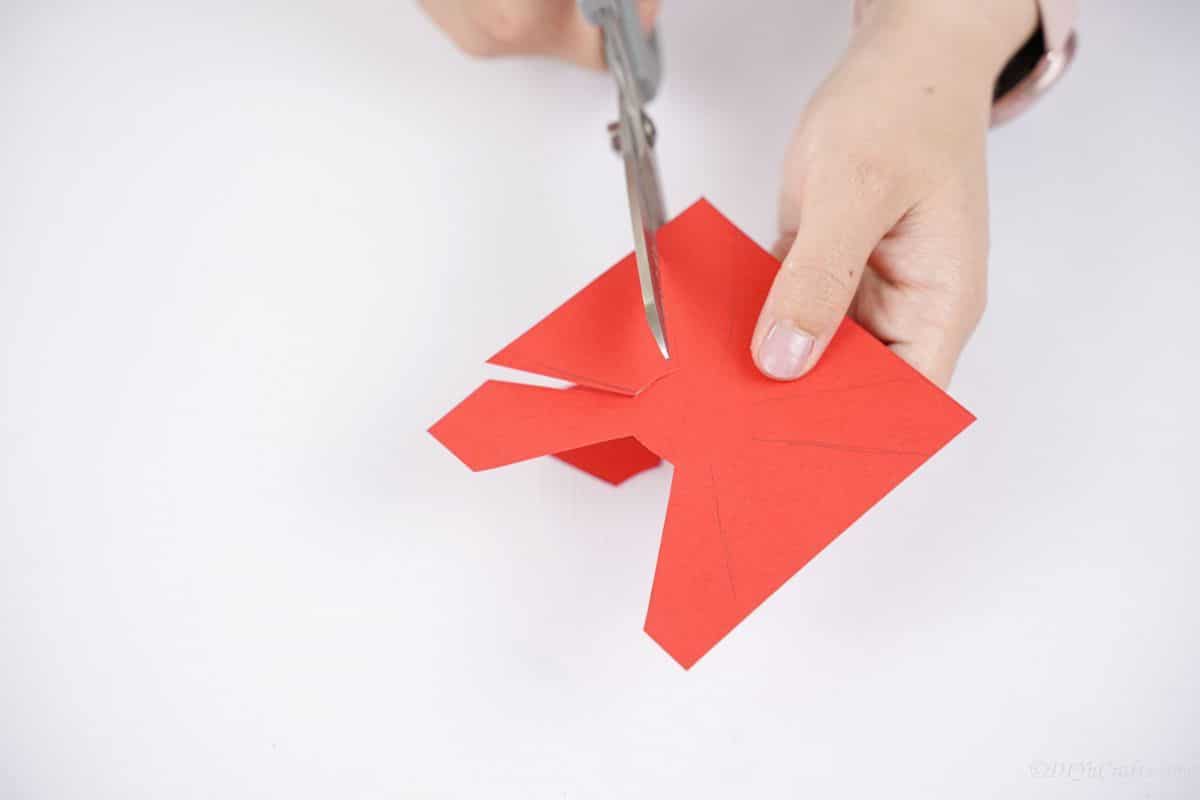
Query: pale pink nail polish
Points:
[784, 351]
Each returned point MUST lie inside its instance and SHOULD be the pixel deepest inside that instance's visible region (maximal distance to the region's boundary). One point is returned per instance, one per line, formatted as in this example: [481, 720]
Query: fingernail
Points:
[784, 351]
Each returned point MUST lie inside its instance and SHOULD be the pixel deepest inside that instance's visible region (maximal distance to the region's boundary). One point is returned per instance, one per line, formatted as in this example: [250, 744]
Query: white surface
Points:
[249, 251]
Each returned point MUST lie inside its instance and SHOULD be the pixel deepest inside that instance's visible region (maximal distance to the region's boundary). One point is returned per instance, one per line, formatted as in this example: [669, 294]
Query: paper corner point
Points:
[685, 662]
[497, 359]
[702, 203]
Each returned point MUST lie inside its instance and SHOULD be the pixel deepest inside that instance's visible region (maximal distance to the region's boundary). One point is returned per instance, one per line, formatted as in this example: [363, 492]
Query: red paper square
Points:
[766, 473]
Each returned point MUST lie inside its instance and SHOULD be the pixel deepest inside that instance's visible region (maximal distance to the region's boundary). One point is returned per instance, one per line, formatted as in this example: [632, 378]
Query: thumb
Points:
[817, 280]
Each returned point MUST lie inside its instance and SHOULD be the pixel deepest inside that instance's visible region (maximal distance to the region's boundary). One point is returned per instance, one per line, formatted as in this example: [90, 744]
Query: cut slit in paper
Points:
[766, 474]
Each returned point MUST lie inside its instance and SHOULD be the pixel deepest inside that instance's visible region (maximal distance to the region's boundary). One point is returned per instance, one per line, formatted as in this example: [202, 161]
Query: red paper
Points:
[766, 473]
[616, 461]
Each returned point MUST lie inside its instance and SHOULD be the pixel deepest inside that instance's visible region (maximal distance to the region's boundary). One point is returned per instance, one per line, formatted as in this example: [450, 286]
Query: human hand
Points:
[884, 205]
[556, 28]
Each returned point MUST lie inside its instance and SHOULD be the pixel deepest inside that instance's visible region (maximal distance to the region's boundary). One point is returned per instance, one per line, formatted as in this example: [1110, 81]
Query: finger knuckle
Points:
[477, 46]
[871, 174]
[976, 306]
[967, 297]
[972, 289]
[816, 292]
[506, 25]
[835, 156]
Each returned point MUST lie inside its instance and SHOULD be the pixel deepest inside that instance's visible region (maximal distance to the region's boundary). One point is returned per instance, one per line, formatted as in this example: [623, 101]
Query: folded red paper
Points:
[766, 474]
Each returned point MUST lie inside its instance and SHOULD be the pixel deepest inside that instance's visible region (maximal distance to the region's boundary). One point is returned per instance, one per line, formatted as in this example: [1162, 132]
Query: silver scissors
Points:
[634, 62]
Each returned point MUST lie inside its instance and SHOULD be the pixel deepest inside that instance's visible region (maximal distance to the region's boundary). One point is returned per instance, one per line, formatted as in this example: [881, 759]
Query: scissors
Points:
[634, 62]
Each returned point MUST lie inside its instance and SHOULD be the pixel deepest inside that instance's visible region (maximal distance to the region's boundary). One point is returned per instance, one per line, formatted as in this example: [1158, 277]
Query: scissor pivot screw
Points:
[648, 129]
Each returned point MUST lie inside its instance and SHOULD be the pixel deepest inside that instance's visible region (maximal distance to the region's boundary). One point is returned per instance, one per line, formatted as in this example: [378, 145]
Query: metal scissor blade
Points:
[634, 139]
[646, 216]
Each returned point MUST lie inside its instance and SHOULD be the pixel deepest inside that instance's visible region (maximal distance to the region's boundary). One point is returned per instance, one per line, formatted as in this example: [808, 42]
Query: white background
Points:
[250, 251]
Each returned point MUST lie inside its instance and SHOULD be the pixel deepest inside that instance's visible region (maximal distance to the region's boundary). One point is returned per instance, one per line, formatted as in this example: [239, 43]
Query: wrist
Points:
[973, 40]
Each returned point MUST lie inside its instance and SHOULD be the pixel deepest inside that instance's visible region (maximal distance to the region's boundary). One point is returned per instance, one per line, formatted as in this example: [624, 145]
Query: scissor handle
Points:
[640, 49]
